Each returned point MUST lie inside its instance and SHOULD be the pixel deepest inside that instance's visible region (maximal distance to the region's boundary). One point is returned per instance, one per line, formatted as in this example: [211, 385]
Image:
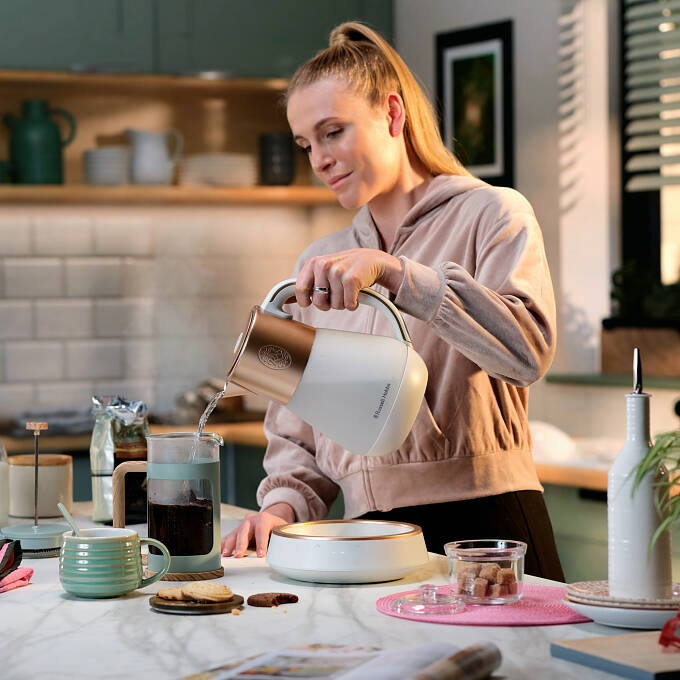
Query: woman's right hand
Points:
[256, 526]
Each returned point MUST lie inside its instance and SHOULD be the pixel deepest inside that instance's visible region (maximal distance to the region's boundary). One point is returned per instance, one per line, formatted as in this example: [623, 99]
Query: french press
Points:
[183, 502]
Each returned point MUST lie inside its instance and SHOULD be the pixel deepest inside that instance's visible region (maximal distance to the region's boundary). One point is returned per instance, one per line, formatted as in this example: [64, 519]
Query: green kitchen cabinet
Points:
[579, 520]
[100, 34]
[258, 38]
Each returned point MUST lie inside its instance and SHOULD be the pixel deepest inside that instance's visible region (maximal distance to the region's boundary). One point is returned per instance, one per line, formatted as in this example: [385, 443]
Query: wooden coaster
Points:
[190, 575]
[181, 607]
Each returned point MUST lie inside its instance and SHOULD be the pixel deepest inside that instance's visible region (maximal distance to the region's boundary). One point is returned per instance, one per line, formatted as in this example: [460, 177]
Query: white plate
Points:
[647, 619]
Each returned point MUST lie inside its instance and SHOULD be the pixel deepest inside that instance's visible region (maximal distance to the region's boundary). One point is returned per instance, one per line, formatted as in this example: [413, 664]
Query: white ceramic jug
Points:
[362, 391]
[151, 161]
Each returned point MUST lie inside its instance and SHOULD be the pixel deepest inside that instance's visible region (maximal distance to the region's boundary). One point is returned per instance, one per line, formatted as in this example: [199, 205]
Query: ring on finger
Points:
[322, 290]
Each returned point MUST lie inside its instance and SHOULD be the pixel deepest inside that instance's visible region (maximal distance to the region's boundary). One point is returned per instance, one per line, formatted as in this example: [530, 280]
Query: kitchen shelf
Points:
[83, 194]
[612, 380]
[143, 82]
[248, 433]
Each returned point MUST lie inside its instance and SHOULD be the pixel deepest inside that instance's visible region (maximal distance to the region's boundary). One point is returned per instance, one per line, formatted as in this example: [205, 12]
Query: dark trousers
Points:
[517, 515]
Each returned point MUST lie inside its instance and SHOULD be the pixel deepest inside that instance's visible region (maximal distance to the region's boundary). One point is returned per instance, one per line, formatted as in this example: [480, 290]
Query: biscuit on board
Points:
[203, 591]
[171, 594]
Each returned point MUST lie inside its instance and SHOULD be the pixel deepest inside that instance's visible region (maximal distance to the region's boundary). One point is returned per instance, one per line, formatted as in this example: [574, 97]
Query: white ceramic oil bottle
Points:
[635, 571]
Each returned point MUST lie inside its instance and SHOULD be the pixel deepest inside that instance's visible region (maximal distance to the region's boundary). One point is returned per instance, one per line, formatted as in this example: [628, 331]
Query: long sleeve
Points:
[498, 310]
[290, 463]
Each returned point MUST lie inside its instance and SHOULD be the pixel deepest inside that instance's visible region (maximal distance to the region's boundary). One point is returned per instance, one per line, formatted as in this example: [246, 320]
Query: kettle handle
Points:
[284, 290]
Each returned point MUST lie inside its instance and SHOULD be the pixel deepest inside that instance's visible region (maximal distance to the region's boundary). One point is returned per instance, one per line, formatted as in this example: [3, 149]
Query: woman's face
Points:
[347, 139]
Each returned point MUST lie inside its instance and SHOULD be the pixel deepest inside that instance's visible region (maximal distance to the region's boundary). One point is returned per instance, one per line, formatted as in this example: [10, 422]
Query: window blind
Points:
[652, 93]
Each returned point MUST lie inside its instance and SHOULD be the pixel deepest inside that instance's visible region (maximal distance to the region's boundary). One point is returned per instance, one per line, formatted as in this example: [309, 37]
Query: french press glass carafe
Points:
[183, 493]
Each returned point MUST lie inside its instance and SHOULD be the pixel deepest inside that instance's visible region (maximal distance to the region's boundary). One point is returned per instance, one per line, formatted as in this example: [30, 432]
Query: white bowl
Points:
[346, 551]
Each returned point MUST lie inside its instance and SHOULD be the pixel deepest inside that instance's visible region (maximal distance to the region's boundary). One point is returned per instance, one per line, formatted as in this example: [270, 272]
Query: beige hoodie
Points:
[478, 302]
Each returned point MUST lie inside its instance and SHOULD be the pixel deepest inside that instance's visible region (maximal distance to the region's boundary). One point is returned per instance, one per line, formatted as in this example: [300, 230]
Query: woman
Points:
[465, 264]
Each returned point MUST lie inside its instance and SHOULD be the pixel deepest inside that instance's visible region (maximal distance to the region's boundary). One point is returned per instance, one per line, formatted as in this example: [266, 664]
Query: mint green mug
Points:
[106, 562]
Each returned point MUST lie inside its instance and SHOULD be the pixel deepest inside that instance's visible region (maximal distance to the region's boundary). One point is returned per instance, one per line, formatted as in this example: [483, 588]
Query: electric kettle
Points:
[362, 391]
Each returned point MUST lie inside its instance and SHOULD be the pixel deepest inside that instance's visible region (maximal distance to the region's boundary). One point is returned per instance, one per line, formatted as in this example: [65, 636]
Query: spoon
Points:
[69, 518]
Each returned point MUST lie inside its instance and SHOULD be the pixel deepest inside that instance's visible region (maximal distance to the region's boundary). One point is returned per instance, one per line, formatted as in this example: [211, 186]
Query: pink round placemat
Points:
[539, 606]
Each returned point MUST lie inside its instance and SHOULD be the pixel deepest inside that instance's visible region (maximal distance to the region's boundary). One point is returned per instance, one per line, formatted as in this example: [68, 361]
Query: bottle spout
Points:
[637, 371]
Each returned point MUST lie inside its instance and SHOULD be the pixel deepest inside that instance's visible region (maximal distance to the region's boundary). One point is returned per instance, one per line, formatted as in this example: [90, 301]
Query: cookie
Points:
[171, 594]
[203, 591]
[271, 599]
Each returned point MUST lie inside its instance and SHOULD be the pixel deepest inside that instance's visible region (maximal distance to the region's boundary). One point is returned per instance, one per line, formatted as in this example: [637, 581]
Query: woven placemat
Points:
[539, 606]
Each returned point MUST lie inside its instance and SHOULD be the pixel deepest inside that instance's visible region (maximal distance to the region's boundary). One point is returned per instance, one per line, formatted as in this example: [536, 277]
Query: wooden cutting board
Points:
[633, 655]
[181, 607]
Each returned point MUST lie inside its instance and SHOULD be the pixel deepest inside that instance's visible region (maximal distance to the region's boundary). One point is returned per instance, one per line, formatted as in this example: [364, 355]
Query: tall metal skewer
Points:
[36, 427]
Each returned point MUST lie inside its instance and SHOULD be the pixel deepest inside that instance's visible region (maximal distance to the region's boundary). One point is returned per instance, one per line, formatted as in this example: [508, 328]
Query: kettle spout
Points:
[234, 390]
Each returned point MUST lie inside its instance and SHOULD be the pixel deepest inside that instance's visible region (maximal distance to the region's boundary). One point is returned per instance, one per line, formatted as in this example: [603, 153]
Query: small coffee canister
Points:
[55, 484]
[277, 164]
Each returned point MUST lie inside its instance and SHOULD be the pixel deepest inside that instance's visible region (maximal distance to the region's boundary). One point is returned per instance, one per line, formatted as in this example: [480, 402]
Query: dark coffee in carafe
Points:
[184, 529]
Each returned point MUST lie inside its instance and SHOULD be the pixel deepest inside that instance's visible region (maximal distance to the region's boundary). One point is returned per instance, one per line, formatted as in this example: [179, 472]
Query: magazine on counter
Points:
[348, 662]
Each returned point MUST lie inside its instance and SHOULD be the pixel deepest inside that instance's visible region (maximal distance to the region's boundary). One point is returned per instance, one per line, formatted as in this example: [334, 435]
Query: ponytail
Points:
[371, 66]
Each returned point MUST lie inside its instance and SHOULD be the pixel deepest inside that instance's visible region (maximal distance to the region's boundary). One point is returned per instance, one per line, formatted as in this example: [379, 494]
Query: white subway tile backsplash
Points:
[145, 303]
[137, 275]
[33, 361]
[198, 359]
[94, 359]
[63, 236]
[168, 388]
[15, 398]
[93, 277]
[139, 359]
[173, 276]
[63, 319]
[123, 235]
[326, 219]
[16, 320]
[15, 236]
[124, 317]
[181, 236]
[73, 394]
[137, 390]
[33, 277]
[187, 317]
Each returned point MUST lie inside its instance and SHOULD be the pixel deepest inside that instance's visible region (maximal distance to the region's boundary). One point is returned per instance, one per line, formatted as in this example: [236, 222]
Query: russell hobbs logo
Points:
[273, 356]
[381, 403]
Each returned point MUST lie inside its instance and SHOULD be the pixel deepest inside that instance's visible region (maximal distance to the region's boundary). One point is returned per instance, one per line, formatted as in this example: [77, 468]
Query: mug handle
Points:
[118, 488]
[159, 574]
[179, 144]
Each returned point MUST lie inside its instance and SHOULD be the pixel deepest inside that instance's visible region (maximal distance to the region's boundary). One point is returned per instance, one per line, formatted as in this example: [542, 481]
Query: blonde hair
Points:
[371, 66]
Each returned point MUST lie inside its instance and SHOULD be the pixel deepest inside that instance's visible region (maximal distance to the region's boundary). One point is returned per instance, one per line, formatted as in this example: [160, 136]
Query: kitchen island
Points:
[47, 633]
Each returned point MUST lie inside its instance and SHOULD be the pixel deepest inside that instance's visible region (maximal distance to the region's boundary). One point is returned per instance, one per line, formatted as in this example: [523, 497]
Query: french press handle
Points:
[283, 291]
[118, 484]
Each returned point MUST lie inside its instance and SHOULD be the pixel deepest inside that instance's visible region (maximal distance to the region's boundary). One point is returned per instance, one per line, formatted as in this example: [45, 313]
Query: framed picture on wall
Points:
[475, 98]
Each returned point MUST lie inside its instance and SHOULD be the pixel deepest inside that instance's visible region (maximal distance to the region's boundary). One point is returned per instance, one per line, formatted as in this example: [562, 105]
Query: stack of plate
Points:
[108, 165]
[592, 599]
[219, 169]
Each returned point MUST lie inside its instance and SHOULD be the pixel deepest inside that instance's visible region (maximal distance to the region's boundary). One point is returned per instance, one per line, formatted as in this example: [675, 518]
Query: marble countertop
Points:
[47, 633]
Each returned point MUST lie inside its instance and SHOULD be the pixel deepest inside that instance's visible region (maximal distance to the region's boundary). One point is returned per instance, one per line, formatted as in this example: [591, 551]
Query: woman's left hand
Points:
[344, 274]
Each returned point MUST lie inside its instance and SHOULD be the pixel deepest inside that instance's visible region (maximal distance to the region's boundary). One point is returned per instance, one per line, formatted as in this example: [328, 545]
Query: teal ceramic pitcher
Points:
[35, 143]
